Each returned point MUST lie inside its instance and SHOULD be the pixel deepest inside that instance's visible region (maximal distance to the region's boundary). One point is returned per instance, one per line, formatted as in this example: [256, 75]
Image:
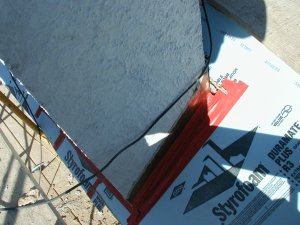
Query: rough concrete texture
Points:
[105, 69]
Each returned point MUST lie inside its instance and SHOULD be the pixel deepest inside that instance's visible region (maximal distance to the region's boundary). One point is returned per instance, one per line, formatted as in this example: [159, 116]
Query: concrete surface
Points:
[14, 183]
[105, 69]
[275, 23]
[102, 61]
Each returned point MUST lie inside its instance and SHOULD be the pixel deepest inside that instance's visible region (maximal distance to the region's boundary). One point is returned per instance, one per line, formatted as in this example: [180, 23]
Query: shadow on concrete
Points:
[15, 173]
[251, 15]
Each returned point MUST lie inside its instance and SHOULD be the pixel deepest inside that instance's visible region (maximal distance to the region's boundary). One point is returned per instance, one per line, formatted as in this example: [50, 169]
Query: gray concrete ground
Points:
[20, 152]
[274, 23]
[16, 181]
